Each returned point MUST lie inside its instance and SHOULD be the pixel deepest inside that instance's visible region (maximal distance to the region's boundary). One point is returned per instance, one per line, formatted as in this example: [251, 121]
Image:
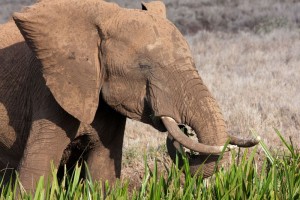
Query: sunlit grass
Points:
[278, 177]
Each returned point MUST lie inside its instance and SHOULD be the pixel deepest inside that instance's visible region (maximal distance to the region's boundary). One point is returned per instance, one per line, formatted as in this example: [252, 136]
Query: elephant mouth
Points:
[179, 138]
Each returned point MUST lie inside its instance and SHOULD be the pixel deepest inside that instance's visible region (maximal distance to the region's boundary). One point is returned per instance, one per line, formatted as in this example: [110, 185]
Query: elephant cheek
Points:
[114, 92]
[124, 98]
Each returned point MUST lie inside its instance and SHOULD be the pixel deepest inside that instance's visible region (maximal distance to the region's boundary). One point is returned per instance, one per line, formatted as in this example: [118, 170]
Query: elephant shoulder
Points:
[9, 34]
[13, 48]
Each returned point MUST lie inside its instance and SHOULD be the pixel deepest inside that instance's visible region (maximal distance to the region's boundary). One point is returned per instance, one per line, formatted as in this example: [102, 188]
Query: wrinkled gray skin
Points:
[84, 67]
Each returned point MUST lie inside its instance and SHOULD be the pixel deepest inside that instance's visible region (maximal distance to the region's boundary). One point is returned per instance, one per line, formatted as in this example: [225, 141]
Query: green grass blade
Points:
[290, 147]
[265, 149]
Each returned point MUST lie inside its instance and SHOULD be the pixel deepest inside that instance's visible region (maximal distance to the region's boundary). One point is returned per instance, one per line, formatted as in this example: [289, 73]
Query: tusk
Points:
[177, 145]
[231, 147]
[187, 142]
[250, 142]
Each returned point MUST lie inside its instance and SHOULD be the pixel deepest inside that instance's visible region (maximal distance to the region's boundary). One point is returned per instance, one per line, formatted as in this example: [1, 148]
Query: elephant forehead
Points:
[168, 53]
[157, 44]
[140, 27]
[151, 37]
[169, 44]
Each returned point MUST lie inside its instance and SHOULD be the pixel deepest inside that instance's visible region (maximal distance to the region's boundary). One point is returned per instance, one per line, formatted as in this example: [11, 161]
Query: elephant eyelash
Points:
[143, 66]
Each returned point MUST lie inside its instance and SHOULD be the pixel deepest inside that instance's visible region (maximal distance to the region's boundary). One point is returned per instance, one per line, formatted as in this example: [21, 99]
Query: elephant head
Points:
[135, 60]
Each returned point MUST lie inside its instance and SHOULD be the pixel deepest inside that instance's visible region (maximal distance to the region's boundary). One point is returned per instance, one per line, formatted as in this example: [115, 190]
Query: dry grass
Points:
[234, 15]
[255, 79]
[228, 15]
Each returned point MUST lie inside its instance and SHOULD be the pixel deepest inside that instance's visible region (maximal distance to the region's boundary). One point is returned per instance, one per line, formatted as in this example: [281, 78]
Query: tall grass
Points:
[278, 177]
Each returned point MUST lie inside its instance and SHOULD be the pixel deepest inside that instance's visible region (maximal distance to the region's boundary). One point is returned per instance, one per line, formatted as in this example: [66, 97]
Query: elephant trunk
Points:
[208, 122]
[203, 115]
[209, 126]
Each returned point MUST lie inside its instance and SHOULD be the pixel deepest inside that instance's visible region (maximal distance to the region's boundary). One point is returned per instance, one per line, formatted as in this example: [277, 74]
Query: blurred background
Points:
[248, 54]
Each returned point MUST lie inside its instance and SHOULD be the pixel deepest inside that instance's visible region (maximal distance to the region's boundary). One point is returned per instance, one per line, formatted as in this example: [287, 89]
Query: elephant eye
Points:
[144, 63]
[144, 66]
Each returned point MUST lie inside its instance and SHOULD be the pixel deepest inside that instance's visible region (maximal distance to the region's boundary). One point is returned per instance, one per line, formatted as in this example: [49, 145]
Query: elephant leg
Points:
[105, 157]
[47, 141]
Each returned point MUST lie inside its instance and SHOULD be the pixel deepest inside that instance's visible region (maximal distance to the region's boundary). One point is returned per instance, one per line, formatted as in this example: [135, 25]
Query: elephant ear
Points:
[64, 37]
[155, 7]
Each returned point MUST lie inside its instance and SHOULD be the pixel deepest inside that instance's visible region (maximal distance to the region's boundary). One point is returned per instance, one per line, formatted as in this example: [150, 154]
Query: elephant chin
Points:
[203, 165]
[200, 165]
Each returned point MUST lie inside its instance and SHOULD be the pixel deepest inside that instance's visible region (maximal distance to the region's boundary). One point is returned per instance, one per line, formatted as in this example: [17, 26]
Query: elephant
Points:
[72, 71]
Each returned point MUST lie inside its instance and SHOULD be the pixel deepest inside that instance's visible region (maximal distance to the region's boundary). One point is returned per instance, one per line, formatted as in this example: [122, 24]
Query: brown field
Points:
[248, 54]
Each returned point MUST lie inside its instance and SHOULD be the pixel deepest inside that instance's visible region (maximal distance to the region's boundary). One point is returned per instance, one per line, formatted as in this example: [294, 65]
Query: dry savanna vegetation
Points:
[248, 54]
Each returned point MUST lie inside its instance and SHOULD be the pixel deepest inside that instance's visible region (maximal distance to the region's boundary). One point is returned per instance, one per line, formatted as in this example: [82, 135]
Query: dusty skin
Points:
[68, 87]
